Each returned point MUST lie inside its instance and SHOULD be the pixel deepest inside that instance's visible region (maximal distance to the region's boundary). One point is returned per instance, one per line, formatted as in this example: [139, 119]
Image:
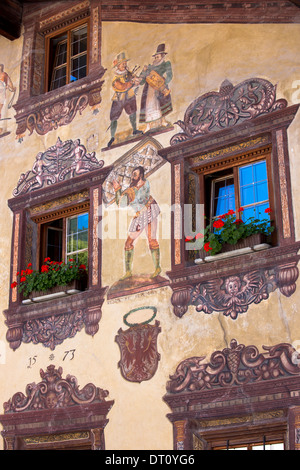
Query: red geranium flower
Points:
[29, 265]
[13, 285]
[268, 210]
[23, 279]
[82, 266]
[231, 212]
[218, 223]
[44, 269]
[207, 247]
[240, 209]
[238, 221]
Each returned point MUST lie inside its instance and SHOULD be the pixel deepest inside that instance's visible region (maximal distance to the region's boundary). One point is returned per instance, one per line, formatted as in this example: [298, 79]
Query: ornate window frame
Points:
[56, 414]
[30, 206]
[39, 111]
[216, 401]
[207, 141]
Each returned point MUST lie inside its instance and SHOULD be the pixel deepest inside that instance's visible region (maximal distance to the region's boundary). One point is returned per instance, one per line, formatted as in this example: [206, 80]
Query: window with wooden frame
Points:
[235, 186]
[256, 438]
[65, 238]
[60, 221]
[66, 56]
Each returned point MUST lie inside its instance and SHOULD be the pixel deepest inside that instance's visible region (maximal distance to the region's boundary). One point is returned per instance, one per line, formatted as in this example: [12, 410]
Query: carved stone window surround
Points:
[82, 310]
[42, 112]
[264, 133]
[56, 414]
[238, 394]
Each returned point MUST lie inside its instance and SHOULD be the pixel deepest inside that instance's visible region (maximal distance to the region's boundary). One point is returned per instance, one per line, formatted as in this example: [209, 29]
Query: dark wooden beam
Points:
[11, 18]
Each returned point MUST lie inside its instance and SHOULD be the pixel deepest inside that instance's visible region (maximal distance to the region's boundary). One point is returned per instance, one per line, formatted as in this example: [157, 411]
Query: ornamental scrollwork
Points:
[62, 161]
[233, 295]
[54, 392]
[236, 365]
[227, 107]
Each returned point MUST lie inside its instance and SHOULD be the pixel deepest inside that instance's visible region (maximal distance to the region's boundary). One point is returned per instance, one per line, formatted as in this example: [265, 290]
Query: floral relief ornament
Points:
[235, 365]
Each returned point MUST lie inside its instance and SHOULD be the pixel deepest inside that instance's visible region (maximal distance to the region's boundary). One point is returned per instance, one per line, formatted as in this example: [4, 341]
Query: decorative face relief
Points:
[233, 295]
[62, 161]
[54, 392]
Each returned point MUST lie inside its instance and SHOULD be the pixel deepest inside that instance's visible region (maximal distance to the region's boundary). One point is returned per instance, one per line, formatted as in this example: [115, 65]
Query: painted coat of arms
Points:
[138, 348]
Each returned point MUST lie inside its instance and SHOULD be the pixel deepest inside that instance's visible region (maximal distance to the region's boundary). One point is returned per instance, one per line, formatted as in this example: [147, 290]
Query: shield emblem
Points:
[138, 348]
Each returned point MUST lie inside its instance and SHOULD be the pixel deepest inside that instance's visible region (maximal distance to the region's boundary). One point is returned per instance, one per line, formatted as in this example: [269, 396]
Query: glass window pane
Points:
[72, 225]
[79, 41]
[246, 175]
[224, 196]
[247, 195]
[82, 240]
[83, 221]
[261, 192]
[260, 171]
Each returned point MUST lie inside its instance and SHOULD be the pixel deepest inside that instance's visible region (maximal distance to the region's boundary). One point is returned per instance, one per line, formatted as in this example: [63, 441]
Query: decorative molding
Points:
[66, 17]
[15, 255]
[51, 322]
[54, 392]
[56, 414]
[235, 365]
[232, 294]
[166, 11]
[283, 186]
[62, 161]
[43, 112]
[230, 106]
[51, 331]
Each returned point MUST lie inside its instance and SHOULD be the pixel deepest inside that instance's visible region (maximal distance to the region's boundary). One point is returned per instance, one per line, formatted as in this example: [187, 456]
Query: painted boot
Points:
[156, 260]
[128, 264]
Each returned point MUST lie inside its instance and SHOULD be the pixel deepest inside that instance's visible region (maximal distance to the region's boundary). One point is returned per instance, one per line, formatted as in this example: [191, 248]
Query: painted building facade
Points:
[121, 125]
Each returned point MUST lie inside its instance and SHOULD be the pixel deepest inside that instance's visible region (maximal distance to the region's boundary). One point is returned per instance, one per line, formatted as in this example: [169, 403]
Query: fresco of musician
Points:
[124, 98]
[155, 101]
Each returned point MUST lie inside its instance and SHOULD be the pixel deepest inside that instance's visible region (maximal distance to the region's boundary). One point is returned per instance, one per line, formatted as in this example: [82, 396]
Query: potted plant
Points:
[52, 280]
[228, 232]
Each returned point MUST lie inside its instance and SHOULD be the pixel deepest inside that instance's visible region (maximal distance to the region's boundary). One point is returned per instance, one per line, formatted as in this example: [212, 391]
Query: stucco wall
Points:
[202, 57]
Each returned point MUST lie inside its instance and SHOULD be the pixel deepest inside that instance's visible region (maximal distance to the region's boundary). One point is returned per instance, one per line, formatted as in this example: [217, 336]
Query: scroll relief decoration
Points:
[54, 392]
[51, 331]
[62, 161]
[56, 115]
[235, 365]
[233, 295]
[227, 107]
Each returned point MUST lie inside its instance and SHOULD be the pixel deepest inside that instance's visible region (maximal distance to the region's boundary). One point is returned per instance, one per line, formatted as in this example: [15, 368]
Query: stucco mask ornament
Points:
[138, 348]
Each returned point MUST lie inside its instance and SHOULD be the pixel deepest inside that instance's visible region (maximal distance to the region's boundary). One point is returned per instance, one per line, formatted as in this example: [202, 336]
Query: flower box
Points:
[74, 287]
[255, 242]
[248, 242]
